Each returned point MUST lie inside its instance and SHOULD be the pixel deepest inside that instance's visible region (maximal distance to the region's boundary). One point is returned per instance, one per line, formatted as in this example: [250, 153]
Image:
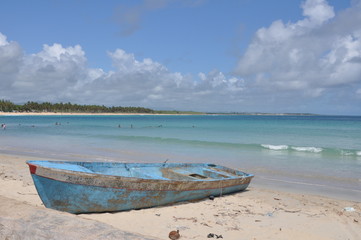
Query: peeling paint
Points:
[79, 187]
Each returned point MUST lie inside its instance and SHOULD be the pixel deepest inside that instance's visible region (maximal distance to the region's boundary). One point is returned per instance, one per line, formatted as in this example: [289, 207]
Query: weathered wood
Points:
[80, 187]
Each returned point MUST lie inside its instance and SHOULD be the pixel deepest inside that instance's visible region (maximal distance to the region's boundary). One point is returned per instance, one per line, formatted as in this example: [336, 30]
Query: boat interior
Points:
[161, 171]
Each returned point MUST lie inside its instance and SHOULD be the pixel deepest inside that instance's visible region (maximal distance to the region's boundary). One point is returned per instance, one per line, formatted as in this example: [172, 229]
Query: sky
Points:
[274, 56]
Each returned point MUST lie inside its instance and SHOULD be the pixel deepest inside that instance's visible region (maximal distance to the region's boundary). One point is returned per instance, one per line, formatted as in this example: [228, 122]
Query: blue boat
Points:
[87, 187]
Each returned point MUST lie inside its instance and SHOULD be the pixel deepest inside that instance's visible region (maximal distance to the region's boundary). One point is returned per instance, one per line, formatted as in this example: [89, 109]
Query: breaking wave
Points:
[294, 148]
[275, 147]
[308, 149]
[315, 150]
[282, 148]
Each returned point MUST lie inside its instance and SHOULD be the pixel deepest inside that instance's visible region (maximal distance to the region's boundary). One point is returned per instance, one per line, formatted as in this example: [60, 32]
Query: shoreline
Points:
[166, 114]
[76, 114]
[257, 213]
[265, 177]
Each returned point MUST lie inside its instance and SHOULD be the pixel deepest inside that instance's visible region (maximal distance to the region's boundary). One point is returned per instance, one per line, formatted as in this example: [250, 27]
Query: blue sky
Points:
[226, 56]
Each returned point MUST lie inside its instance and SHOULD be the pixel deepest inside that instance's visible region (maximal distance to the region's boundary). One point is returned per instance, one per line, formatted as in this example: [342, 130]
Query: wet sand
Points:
[258, 213]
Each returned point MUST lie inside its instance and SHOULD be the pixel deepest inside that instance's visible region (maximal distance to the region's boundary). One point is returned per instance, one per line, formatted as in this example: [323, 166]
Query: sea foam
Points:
[275, 147]
[307, 149]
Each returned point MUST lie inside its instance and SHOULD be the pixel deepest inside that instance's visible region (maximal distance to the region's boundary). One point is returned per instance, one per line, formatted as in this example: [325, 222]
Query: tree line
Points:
[7, 106]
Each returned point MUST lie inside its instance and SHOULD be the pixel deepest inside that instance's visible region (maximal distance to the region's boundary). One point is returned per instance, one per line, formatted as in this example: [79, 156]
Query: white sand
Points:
[254, 214]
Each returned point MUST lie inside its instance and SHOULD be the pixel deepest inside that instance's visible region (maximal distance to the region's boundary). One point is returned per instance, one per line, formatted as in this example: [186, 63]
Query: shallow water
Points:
[318, 153]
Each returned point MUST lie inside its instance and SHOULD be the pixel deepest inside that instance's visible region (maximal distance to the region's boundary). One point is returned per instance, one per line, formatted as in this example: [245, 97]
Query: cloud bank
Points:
[60, 73]
[316, 59]
[312, 65]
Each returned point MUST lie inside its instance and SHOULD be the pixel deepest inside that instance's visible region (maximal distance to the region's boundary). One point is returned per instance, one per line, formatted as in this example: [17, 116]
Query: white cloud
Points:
[44, 76]
[59, 73]
[50, 72]
[310, 57]
[126, 63]
[3, 40]
[10, 56]
[316, 12]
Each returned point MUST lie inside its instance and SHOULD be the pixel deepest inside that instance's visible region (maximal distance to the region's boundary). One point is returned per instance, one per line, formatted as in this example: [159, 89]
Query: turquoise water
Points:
[321, 153]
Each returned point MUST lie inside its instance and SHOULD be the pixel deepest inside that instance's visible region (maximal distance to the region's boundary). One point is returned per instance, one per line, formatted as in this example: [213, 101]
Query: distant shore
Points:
[74, 113]
[165, 113]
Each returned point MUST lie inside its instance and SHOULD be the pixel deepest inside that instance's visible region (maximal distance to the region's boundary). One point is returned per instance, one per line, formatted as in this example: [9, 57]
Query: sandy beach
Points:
[258, 213]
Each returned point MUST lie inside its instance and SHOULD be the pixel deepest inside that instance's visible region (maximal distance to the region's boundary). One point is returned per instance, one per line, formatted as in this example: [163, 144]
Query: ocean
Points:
[313, 154]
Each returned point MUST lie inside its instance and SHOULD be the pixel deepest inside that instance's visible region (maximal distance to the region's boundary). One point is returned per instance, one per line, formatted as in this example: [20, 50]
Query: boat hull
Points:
[86, 192]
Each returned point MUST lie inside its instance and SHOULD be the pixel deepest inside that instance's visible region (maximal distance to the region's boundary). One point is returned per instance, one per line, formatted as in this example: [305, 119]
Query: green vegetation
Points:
[34, 107]
[7, 106]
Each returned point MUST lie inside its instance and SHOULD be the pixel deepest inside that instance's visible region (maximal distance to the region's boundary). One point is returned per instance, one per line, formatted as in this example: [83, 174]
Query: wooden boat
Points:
[84, 187]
